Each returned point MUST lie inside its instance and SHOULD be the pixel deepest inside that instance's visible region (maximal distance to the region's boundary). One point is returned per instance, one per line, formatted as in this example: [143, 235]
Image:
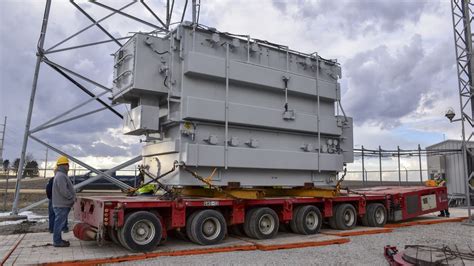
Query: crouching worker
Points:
[441, 182]
[63, 198]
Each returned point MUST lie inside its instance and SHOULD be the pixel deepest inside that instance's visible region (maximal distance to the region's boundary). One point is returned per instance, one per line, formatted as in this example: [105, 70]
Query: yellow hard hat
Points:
[62, 160]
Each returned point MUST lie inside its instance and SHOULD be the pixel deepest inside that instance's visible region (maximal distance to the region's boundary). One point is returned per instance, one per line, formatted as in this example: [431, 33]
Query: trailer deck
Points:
[140, 223]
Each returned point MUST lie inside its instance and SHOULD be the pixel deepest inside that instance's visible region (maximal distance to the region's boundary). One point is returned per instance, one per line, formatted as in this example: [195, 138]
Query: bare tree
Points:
[6, 165]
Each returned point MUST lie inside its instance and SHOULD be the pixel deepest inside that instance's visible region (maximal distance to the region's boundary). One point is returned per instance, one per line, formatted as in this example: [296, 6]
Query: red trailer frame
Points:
[100, 213]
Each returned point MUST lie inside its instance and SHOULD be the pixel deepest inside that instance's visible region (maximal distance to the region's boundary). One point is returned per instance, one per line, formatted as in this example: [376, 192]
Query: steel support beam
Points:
[51, 63]
[88, 27]
[68, 119]
[88, 181]
[47, 123]
[39, 58]
[84, 45]
[95, 23]
[88, 92]
[130, 16]
[154, 14]
[79, 162]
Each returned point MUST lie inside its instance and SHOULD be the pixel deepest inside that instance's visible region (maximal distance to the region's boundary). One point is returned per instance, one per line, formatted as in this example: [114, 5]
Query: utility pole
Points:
[2, 142]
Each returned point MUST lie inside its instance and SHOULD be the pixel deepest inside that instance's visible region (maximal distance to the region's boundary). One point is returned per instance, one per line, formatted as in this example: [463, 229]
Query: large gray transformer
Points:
[259, 113]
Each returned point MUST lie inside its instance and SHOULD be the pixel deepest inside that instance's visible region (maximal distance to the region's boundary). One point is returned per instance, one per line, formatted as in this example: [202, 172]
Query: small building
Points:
[445, 159]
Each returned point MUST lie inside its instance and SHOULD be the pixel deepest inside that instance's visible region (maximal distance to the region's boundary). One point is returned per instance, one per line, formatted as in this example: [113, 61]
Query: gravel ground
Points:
[362, 250]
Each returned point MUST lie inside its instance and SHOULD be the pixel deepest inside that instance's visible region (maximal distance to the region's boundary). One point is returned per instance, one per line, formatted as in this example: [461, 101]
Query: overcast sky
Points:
[397, 58]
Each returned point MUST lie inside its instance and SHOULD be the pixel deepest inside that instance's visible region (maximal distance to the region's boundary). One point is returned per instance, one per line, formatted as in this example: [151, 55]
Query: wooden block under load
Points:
[426, 221]
[357, 231]
[257, 193]
[288, 241]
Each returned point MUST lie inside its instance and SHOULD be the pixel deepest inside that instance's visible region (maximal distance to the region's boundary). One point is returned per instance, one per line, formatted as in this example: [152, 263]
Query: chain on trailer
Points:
[207, 181]
[339, 182]
[339, 186]
[169, 193]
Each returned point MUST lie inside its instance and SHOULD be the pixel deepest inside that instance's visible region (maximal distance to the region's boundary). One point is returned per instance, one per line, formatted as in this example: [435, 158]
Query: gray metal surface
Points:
[262, 114]
[450, 164]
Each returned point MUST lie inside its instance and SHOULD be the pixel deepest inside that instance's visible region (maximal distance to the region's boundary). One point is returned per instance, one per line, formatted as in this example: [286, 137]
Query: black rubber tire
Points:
[342, 211]
[370, 218]
[254, 221]
[305, 227]
[113, 235]
[131, 220]
[121, 240]
[293, 226]
[188, 226]
[246, 225]
[196, 227]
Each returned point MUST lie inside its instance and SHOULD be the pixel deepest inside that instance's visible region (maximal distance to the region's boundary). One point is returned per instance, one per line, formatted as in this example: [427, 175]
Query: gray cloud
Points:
[358, 18]
[384, 87]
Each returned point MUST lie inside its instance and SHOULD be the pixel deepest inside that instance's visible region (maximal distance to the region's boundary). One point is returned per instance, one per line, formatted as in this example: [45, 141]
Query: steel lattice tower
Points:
[462, 13]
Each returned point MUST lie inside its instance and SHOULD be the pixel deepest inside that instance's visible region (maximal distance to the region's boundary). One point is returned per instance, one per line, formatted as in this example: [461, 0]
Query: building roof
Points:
[449, 141]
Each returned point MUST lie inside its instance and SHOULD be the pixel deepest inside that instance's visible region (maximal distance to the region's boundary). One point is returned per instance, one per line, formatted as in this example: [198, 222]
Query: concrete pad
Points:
[357, 231]
[288, 241]
[425, 220]
[8, 243]
[36, 248]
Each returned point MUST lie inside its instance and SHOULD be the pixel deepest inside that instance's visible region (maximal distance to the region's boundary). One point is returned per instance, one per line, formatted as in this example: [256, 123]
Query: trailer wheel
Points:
[121, 239]
[206, 227]
[262, 223]
[113, 235]
[293, 227]
[307, 220]
[375, 216]
[344, 218]
[141, 231]
[246, 225]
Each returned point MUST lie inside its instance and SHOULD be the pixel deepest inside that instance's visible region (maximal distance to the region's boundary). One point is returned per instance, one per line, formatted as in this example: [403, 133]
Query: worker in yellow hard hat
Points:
[441, 182]
[49, 194]
[63, 197]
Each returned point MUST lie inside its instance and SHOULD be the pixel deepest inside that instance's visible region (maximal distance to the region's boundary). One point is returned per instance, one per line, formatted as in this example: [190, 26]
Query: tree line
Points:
[30, 169]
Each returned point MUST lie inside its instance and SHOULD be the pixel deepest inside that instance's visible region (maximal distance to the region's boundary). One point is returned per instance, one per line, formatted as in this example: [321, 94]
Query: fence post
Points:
[406, 175]
[399, 170]
[380, 164]
[6, 191]
[363, 166]
[419, 160]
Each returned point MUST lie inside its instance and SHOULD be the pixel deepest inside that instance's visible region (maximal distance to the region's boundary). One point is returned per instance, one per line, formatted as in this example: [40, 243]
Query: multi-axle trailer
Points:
[141, 223]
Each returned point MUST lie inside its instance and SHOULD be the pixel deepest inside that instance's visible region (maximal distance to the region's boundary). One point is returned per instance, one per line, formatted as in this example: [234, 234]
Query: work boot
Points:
[63, 244]
[441, 215]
